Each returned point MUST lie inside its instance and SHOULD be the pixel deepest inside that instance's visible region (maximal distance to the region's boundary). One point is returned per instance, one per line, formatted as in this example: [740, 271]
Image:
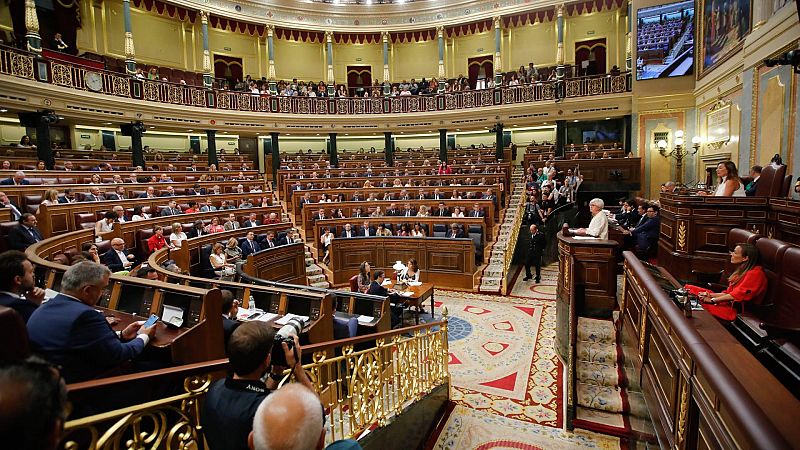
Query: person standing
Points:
[534, 255]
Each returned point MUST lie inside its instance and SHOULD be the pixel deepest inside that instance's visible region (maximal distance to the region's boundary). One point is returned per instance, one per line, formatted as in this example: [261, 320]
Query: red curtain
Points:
[593, 53]
[358, 77]
[229, 68]
[481, 65]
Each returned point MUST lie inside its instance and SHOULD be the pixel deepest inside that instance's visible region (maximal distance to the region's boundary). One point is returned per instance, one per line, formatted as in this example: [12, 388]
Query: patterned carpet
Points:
[506, 378]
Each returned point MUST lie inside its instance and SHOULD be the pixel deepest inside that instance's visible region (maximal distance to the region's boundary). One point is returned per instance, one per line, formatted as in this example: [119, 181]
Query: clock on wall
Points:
[94, 81]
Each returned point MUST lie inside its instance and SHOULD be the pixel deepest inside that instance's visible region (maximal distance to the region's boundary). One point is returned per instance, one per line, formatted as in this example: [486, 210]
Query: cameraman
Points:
[231, 403]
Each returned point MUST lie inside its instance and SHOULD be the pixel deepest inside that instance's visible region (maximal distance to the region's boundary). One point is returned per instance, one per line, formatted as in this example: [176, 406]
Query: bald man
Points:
[289, 419]
[117, 259]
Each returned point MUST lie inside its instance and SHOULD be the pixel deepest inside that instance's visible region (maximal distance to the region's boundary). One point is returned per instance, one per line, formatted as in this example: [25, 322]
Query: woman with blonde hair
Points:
[50, 197]
[232, 251]
[178, 236]
[219, 262]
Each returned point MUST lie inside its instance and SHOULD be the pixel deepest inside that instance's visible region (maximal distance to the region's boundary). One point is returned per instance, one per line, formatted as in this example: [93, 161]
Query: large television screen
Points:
[665, 41]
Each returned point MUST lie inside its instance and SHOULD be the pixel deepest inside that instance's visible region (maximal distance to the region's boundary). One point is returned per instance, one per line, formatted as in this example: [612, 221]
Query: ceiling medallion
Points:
[356, 22]
[439, 16]
[384, 22]
[238, 8]
[467, 11]
[411, 20]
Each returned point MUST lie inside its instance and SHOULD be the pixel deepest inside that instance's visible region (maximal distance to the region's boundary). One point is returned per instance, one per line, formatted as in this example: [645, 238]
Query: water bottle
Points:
[251, 305]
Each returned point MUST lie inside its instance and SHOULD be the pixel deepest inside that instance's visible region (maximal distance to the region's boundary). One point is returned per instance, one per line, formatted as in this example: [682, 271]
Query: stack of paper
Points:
[285, 319]
[266, 317]
[365, 319]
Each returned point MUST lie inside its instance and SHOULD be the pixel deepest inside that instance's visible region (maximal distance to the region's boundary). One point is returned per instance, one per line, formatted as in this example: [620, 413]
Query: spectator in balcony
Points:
[139, 73]
[18, 179]
[152, 74]
[157, 240]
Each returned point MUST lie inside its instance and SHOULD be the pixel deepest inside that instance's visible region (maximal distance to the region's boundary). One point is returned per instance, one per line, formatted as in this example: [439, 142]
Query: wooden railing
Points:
[20, 64]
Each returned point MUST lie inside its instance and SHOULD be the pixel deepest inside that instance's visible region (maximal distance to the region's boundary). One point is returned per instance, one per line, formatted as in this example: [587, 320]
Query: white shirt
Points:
[598, 227]
[720, 192]
[124, 258]
[176, 238]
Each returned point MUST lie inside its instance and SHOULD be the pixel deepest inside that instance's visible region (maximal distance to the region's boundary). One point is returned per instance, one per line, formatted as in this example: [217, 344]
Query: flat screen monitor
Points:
[364, 307]
[298, 305]
[665, 40]
[132, 297]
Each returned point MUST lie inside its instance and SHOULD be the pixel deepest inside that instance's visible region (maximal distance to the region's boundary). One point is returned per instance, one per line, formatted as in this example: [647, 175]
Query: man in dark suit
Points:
[377, 288]
[646, 235]
[408, 211]
[392, 210]
[5, 202]
[489, 195]
[251, 221]
[270, 241]
[171, 209]
[149, 193]
[534, 255]
[455, 232]
[69, 196]
[118, 194]
[348, 231]
[17, 180]
[476, 211]
[170, 192]
[17, 284]
[320, 215]
[306, 199]
[25, 234]
[94, 195]
[366, 230]
[69, 331]
[750, 189]
[441, 211]
[437, 195]
[250, 245]
[230, 308]
[117, 258]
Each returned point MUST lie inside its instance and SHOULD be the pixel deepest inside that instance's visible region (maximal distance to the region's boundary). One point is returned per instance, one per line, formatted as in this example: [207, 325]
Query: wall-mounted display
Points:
[665, 40]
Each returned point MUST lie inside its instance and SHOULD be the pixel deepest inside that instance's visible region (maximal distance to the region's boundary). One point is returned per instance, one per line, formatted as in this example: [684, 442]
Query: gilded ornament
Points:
[683, 413]
[682, 235]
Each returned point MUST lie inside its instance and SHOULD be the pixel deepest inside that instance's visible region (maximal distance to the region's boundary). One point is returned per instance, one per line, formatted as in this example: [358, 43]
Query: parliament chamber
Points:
[453, 225]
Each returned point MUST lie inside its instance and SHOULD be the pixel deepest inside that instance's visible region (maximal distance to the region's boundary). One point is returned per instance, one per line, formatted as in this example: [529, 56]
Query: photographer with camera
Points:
[256, 368]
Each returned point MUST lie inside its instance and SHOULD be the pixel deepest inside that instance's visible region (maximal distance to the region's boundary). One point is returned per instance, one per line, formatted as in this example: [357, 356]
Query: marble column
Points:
[443, 144]
[560, 69]
[629, 39]
[386, 82]
[273, 86]
[32, 27]
[388, 148]
[276, 155]
[442, 79]
[498, 61]
[333, 150]
[329, 47]
[130, 51]
[207, 78]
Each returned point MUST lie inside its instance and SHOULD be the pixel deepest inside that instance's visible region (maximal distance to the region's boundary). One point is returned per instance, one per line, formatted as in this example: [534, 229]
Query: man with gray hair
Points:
[69, 332]
[598, 227]
[289, 419]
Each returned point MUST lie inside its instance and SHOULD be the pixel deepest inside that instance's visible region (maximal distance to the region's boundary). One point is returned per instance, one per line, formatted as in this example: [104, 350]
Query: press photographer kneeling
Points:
[255, 370]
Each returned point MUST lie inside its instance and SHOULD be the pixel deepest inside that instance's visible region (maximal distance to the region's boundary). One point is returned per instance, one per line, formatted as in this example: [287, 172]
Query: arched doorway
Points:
[590, 57]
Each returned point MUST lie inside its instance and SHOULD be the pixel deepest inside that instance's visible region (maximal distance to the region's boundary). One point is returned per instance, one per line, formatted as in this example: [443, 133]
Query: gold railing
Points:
[358, 389]
[511, 245]
[15, 63]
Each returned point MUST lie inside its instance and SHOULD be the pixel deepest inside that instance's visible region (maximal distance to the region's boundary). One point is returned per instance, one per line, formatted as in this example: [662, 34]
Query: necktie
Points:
[33, 234]
[252, 246]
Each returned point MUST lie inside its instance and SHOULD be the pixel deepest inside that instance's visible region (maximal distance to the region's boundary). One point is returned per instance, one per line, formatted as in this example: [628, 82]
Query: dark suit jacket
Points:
[78, 338]
[23, 307]
[411, 213]
[111, 260]
[93, 198]
[247, 249]
[647, 234]
[144, 195]
[361, 231]
[228, 327]
[750, 191]
[114, 197]
[194, 232]
[352, 233]
[19, 238]
[247, 223]
[479, 214]
[170, 212]
[10, 181]
[440, 213]
[459, 234]
[376, 289]
[536, 245]
[393, 212]
[265, 243]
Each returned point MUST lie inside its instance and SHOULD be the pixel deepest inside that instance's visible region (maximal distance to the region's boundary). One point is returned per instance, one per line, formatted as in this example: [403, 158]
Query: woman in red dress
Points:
[747, 283]
[157, 240]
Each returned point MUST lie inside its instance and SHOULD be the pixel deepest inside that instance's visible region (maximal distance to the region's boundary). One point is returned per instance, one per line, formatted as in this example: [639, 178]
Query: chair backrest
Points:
[353, 283]
[787, 299]
[771, 252]
[12, 330]
[771, 182]
[738, 236]
[787, 185]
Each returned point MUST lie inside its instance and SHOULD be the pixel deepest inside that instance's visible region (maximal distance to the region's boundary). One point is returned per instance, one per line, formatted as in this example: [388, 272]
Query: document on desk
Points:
[583, 238]
[365, 319]
[266, 317]
[407, 294]
[386, 282]
[285, 319]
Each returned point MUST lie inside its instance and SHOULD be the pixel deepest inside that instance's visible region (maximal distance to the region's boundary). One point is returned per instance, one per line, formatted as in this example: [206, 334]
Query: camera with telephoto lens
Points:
[285, 334]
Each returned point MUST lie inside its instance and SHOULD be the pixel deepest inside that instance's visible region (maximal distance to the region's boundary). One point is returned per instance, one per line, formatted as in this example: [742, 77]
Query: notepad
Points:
[285, 319]
[266, 317]
[415, 283]
[386, 282]
[407, 294]
[365, 319]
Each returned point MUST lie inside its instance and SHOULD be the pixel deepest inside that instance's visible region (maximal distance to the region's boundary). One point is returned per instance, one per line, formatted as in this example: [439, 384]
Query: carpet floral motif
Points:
[507, 364]
[470, 429]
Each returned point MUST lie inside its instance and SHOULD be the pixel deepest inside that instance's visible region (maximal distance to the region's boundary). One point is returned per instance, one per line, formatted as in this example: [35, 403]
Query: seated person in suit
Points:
[232, 223]
[17, 284]
[17, 179]
[230, 308]
[441, 211]
[251, 221]
[148, 273]
[250, 245]
[149, 193]
[157, 241]
[377, 288]
[476, 211]
[646, 235]
[348, 231]
[117, 259]
[455, 232]
[270, 241]
[755, 174]
[94, 195]
[366, 230]
[5, 202]
[197, 230]
[383, 231]
[25, 234]
[171, 209]
[69, 331]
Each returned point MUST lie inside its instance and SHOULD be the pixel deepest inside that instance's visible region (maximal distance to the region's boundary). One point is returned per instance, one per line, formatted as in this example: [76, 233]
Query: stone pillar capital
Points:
[203, 17]
[498, 23]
